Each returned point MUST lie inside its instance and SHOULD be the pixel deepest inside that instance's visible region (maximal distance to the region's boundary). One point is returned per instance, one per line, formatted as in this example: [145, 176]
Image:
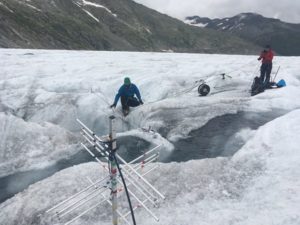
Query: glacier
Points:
[43, 92]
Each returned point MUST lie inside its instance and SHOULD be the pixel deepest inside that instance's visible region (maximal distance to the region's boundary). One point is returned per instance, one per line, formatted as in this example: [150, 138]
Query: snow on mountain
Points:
[193, 22]
[282, 36]
[106, 25]
[2, 4]
[33, 7]
[43, 92]
[84, 3]
[91, 15]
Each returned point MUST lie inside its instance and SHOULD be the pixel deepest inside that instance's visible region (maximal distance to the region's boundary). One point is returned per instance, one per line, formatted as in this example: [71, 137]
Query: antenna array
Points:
[127, 178]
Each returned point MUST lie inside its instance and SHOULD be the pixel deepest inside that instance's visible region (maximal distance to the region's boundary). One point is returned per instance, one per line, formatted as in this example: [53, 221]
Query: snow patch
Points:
[200, 24]
[33, 7]
[242, 16]
[231, 28]
[18, 34]
[88, 3]
[6, 7]
[87, 12]
[237, 26]
[91, 15]
[167, 50]
[194, 23]
[148, 30]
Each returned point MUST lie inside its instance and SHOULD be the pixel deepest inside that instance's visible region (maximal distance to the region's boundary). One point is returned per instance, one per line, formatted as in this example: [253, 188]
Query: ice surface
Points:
[42, 92]
[27, 145]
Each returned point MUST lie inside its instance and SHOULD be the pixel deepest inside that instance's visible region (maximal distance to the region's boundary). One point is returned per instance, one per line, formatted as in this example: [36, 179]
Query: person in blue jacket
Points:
[127, 93]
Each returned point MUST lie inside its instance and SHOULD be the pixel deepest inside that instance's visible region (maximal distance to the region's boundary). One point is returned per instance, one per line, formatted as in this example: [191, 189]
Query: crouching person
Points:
[130, 96]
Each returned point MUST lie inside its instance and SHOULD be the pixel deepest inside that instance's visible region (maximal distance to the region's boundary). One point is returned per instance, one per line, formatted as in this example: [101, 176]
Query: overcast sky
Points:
[286, 10]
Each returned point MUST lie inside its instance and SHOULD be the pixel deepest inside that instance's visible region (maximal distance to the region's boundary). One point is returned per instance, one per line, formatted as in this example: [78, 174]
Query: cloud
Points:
[287, 10]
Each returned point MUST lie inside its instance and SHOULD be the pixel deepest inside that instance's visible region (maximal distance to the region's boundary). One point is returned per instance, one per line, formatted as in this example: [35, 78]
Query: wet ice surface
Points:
[12, 184]
[250, 187]
[219, 137]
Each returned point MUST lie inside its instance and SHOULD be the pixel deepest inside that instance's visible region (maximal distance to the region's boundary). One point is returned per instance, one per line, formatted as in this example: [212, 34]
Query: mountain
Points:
[284, 37]
[106, 25]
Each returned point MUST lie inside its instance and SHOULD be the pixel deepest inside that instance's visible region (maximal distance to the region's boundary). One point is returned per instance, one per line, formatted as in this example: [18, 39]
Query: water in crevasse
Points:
[14, 183]
[216, 138]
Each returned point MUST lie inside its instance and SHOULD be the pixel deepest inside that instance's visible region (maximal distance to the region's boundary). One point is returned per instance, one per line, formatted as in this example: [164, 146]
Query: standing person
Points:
[127, 92]
[266, 67]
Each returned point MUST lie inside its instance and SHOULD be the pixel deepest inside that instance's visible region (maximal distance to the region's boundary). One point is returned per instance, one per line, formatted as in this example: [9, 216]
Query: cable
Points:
[100, 96]
[240, 67]
[125, 186]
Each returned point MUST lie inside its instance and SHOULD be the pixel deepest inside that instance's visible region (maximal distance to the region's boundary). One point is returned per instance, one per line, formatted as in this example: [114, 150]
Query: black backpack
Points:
[257, 86]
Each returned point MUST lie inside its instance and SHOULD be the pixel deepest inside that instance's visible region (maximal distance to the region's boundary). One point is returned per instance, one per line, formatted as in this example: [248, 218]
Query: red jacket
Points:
[266, 56]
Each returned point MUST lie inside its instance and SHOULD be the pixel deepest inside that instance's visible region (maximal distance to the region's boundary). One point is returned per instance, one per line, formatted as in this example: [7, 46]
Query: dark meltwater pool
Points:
[218, 136]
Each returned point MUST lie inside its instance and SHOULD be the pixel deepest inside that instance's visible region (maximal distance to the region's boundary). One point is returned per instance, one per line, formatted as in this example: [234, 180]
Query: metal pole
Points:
[113, 170]
[276, 74]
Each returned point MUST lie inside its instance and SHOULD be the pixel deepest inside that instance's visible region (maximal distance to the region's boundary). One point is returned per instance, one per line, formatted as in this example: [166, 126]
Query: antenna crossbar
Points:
[111, 189]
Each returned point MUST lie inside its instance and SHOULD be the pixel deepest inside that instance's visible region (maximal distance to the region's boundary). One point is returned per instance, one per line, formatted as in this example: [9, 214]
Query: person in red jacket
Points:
[266, 67]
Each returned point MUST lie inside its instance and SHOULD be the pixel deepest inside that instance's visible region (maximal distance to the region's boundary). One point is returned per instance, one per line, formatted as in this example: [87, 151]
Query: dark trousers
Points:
[129, 102]
[265, 73]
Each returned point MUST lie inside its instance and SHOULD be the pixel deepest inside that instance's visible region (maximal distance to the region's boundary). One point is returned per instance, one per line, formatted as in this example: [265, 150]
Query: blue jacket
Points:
[127, 91]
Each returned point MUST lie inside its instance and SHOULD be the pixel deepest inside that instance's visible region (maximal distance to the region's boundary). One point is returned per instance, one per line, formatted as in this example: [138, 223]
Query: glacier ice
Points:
[42, 93]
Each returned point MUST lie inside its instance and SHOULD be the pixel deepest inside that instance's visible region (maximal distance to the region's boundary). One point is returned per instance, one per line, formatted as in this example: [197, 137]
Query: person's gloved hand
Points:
[141, 102]
[113, 106]
[258, 59]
